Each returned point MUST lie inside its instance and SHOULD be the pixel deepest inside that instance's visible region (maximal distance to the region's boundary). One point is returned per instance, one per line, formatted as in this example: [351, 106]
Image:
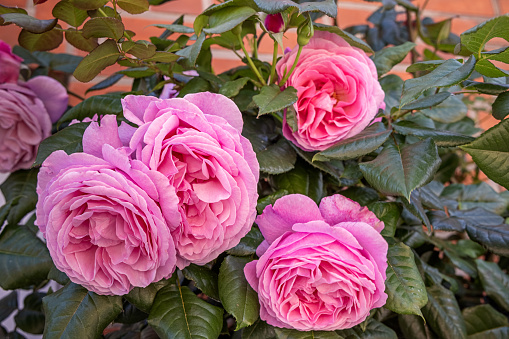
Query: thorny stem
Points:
[250, 62]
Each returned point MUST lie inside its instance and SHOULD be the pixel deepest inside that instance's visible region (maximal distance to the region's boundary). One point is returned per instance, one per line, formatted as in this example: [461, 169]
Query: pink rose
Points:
[196, 142]
[107, 218]
[10, 64]
[338, 91]
[320, 268]
[26, 113]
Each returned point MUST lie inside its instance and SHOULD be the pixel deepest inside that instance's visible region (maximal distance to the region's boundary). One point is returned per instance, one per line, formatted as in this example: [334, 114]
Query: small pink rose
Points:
[337, 88]
[9, 64]
[320, 268]
[106, 218]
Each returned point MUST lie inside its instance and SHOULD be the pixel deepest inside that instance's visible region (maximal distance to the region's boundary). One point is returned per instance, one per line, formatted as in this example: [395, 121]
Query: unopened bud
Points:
[274, 23]
[305, 33]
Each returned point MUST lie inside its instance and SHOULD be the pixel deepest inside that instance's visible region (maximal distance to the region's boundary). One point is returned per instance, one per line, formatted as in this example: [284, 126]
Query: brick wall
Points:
[467, 13]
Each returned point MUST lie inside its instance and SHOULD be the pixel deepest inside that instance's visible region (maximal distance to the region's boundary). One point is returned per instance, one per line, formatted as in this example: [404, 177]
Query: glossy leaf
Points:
[443, 314]
[440, 137]
[476, 38]
[285, 333]
[272, 99]
[204, 278]
[28, 22]
[277, 158]
[74, 312]
[399, 170]
[237, 296]
[482, 318]
[69, 140]
[495, 282]
[404, 286]
[350, 38]
[260, 329]
[373, 330]
[8, 304]
[302, 180]
[363, 143]
[102, 27]
[389, 57]
[389, 213]
[65, 11]
[428, 101]
[178, 313]
[41, 42]
[452, 109]
[99, 104]
[143, 298]
[500, 108]
[414, 327]
[20, 187]
[490, 152]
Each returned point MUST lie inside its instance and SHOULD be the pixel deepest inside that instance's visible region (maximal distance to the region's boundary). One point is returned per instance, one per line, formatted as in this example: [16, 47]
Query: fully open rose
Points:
[106, 218]
[320, 268]
[196, 142]
[337, 88]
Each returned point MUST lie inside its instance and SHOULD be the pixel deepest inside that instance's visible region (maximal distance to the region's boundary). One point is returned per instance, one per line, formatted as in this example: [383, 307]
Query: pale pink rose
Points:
[106, 218]
[26, 113]
[320, 268]
[9, 64]
[196, 142]
[337, 88]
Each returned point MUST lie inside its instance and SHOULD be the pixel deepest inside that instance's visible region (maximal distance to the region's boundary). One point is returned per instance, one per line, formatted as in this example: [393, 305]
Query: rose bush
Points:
[106, 218]
[319, 268]
[337, 88]
[196, 142]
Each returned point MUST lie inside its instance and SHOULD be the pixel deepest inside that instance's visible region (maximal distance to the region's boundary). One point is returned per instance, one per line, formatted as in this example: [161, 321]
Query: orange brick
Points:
[350, 17]
[143, 27]
[43, 11]
[504, 6]
[222, 65]
[9, 34]
[180, 6]
[80, 88]
[477, 7]
[14, 3]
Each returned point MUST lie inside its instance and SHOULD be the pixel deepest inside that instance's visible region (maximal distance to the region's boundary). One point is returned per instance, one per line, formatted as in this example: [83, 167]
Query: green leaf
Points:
[350, 38]
[29, 23]
[374, 330]
[176, 28]
[399, 170]
[163, 57]
[414, 327]
[103, 27]
[20, 186]
[500, 108]
[58, 276]
[109, 81]
[486, 87]
[427, 65]
[178, 313]
[361, 144]
[447, 74]
[487, 68]
[192, 52]
[443, 314]
[8, 304]
[482, 318]
[250, 242]
[76, 39]
[41, 42]
[302, 180]
[106, 54]
[389, 213]
[204, 278]
[137, 72]
[89, 4]
[277, 158]
[260, 206]
[472, 196]
[495, 333]
[490, 151]
[260, 329]
[232, 88]
[272, 99]
[31, 318]
[74, 312]
[65, 11]
[24, 258]
[69, 139]
[228, 18]
[237, 296]
[389, 57]
[476, 38]
[143, 298]
[133, 6]
[285, 333]
[139, 49]
[327, 7]
[495, 282]
[450, 110]
[441, 138]
[363, 195]
[427, 102]
[404, 286]
[99, 104]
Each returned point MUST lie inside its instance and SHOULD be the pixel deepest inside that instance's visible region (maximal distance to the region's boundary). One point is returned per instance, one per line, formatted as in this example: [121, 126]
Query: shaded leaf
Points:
[374, 330]
[389, 213]
[443, 313]
[250, 242]
[29, 23]
[76, 39]
[285, 333]
[495, 282]
[389, 57]
[204, 278]
[41, 42]
[98, 104]
[500, 108]
[103, 27]
[69, 140]
[482, 318]
[143, 298]
[20, 187]
[133, 6]
[277, 158]
[101, 57]
[272, 99]
[428, 101]
[440, 137]
[260, 329]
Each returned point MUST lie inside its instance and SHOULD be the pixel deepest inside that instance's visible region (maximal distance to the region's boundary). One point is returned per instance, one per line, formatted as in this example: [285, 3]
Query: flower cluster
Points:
[27, 111]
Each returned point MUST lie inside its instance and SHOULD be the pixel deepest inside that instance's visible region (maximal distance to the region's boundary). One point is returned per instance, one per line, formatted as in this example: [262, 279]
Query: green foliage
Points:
[69, 140]
[104, 55]
[272, 99]
[204, 278]
[387, 58]
[99, 104]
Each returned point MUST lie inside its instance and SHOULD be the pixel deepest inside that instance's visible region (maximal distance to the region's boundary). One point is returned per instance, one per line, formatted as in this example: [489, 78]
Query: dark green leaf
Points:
[302, 180]
[74, 312]
[8, 304]
[139, 49]
[490, 152]
[495, 282]
[450, 110]
[472, 196]
[109, 81]
[443, 314]
[228, 18]
[441, 138]
[138, 72]
[447, 74]
[424, 65]
[404, 286]
[277, 158]
[76, 39]
[101, 57]
[163, 57]
[501, 106]
[363, 195]
[389, 57]
[20, 186]
[143, 298]
[237, 296]
[204, 278]
[495, 333]
[486, 87]
[350, 38]
[59, 277]
[99, 104]
[133, 6]
[482, 318]
[374, 330]
[327, 7]
[232, 88]
[363, 143]
[31, 318]
[254, 237]
[476, 38]
[260, 329]
[487, 68]
[178, 313]
[89, 4]
[427, 102]
[103, 27]
[69, 139]
[41, 42]
[24, 258]
[399, 170]
[29, 23]
[414, 327]
[285, 333]
[176, 28]
[192, 52]
[272, 99]
[65, 11]
[389, 213]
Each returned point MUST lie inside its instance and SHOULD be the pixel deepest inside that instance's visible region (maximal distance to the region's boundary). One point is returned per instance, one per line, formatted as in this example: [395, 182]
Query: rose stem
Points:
[274, 60]
[251, 64]
[283, 82]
